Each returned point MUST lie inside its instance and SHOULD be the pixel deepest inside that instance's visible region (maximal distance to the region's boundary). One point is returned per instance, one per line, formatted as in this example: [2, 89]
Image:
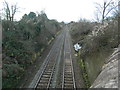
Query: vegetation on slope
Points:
[97, 41]
[22, 42]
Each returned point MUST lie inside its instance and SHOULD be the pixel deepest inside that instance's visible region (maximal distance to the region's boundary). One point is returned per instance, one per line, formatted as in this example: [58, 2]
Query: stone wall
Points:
[108, 77]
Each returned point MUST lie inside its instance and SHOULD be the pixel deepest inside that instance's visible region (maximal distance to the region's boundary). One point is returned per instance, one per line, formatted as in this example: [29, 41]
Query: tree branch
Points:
[110, 10]
[108, 4]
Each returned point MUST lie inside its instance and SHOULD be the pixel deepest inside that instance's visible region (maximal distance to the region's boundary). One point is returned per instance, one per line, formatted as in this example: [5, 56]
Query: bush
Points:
[106, 38]
[102, 41]
[21, 41]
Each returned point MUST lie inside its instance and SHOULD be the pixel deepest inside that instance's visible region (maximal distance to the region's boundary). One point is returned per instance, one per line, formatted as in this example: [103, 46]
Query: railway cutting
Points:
[57, 71]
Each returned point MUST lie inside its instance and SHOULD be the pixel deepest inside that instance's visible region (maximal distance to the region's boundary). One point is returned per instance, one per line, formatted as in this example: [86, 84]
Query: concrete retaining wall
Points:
[108, 78]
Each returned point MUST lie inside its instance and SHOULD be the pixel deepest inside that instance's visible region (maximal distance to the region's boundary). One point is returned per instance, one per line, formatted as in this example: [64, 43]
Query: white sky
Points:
[61, 10]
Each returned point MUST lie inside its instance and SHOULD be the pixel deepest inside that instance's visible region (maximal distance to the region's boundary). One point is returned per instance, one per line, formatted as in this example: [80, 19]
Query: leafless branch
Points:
[110, 10]
[10, 12]
[105, 9]
[108, 4]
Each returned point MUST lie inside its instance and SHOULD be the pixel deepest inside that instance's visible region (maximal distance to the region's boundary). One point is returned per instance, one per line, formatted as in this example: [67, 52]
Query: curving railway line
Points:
[53, 74]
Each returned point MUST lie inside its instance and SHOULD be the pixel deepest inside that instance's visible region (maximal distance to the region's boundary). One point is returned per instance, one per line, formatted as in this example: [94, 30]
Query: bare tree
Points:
[105, 8]
[117, 11]
[96, 16]
[10, 11]
[7, 10]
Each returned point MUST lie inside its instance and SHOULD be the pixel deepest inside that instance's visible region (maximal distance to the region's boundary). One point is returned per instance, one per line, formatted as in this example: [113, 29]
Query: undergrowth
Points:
[84, 72]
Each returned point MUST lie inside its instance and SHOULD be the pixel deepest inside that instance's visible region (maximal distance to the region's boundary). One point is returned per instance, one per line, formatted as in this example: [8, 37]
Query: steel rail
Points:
[72, 66]
[47, 65]
[67, 65]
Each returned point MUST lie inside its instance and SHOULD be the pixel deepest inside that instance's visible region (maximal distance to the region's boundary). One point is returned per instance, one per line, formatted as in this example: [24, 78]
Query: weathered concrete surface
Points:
[0, 54]
[108, 78]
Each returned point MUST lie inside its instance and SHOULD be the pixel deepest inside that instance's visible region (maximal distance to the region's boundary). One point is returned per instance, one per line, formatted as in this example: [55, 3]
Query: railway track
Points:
[68, 80]
[46, 76]
[49, 71]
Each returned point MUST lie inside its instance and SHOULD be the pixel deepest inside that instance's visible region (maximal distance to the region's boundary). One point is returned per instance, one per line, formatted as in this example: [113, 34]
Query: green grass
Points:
[84, 72]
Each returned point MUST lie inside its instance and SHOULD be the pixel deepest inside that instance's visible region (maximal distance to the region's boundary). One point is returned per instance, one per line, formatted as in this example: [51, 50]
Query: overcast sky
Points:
[61, 10]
